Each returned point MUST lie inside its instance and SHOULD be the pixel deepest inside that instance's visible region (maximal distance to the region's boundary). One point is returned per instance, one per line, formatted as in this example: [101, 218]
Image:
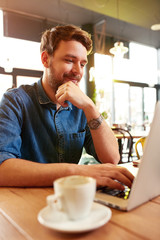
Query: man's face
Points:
[67, 64]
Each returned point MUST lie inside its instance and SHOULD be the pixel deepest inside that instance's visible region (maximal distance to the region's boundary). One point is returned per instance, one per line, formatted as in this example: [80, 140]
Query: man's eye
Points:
[68, 60]
[83, 64]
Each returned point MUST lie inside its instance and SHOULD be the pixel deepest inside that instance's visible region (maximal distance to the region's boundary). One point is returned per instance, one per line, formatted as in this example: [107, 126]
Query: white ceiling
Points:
[136, 16]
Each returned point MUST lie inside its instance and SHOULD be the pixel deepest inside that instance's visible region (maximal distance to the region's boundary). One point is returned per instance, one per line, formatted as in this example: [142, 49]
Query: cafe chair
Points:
[125, 142]
[139, 145]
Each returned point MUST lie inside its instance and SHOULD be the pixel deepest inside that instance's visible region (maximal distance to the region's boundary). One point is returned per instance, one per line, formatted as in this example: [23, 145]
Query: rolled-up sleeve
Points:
[10, 126]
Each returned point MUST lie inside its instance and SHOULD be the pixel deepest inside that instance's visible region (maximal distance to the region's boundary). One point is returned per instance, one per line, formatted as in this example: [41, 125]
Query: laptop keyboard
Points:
[115, 192]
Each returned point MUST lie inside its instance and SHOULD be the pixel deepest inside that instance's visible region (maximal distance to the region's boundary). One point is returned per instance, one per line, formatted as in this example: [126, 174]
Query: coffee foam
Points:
[74, 180]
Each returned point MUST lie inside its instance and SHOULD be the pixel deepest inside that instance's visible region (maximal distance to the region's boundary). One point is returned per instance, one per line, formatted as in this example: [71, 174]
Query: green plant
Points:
[105, 114]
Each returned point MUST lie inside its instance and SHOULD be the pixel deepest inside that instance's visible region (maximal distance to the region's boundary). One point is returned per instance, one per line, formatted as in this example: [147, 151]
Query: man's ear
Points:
[45, 59]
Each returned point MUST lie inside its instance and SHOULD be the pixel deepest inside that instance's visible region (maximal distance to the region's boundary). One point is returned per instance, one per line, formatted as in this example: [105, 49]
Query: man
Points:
[43, 128]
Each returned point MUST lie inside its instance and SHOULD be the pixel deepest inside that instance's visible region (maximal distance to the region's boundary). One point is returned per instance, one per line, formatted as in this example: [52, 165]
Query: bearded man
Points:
[44, 126]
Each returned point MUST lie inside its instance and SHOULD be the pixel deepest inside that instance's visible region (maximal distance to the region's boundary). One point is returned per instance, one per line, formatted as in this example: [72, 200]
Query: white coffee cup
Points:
[74, 195]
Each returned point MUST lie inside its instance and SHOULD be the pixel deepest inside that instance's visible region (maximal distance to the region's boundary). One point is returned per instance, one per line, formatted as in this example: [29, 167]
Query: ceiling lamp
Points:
[155, 27]
[119, 49]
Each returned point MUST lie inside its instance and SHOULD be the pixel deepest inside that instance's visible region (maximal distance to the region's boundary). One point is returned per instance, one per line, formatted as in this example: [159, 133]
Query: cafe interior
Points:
[122, 77]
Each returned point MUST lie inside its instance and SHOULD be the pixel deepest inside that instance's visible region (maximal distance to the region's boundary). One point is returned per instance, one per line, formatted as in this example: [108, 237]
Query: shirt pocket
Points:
[76, 143]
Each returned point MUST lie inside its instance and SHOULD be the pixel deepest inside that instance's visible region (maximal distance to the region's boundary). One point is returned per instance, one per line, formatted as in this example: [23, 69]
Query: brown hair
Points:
[51, 38]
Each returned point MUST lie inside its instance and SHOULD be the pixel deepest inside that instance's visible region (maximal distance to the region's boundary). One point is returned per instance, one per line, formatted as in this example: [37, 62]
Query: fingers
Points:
[116, 179]
[129, 175]
[113, 184]
[126, 176]
[61, 96]
[71, 92]
[60, 91]
[111, 175]
[65, 87]
[63, 93]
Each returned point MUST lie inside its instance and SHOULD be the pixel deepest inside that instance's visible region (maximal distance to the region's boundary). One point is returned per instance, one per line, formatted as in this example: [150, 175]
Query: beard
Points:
[55, 80]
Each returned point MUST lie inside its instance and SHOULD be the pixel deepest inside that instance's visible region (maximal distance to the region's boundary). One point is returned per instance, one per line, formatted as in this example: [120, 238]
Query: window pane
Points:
[5, 83]
[144, 63]
[149, 104]
[122, 69]
[24, 54]
[121, 98]
[136, 107]
[21, 80]
[103, 82]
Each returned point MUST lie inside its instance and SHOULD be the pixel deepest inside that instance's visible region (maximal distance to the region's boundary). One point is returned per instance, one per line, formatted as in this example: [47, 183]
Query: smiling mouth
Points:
[75, 81]
[74, 78]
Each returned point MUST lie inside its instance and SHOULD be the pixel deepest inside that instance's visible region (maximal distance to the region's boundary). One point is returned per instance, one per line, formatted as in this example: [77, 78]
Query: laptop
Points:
[146, 184]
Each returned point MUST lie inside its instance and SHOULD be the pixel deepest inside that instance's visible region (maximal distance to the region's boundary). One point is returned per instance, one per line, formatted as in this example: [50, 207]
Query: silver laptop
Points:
[146, 184]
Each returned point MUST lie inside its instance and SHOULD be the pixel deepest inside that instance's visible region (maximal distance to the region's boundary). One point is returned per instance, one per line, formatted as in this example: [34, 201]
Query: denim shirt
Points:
[32, 128]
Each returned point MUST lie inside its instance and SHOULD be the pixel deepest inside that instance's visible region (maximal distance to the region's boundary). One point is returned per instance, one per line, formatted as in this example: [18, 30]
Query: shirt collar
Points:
[44, 99]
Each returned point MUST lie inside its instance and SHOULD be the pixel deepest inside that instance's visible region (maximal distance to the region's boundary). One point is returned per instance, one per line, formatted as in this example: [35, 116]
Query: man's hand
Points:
[71, 92]
[106, 174]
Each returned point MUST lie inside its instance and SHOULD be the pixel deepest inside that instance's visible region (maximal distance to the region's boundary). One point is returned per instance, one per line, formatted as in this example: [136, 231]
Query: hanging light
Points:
[119, 49]
[155, 27]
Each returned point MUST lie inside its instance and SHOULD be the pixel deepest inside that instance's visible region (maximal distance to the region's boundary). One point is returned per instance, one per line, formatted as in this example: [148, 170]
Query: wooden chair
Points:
[125, 141]
[139, 145]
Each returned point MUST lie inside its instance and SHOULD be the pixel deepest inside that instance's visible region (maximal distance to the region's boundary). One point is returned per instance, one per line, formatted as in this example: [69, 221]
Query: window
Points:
[144, 63]
[5, 83]
[149, 104]
[127, 103]
[121, 103]
[136, 107]
[103, 82]
[21, 53]
[26, 80]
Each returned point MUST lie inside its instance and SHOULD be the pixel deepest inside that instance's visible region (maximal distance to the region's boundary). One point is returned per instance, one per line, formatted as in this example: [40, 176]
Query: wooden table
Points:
[18, 219]
[128, 140]
[133, 134]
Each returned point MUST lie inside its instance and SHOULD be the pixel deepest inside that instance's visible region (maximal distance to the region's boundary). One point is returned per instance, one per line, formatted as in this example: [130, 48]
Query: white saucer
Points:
[59, 221]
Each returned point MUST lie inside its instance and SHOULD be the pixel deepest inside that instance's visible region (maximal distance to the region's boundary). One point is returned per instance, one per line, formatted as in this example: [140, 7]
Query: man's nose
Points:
[77, 68]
